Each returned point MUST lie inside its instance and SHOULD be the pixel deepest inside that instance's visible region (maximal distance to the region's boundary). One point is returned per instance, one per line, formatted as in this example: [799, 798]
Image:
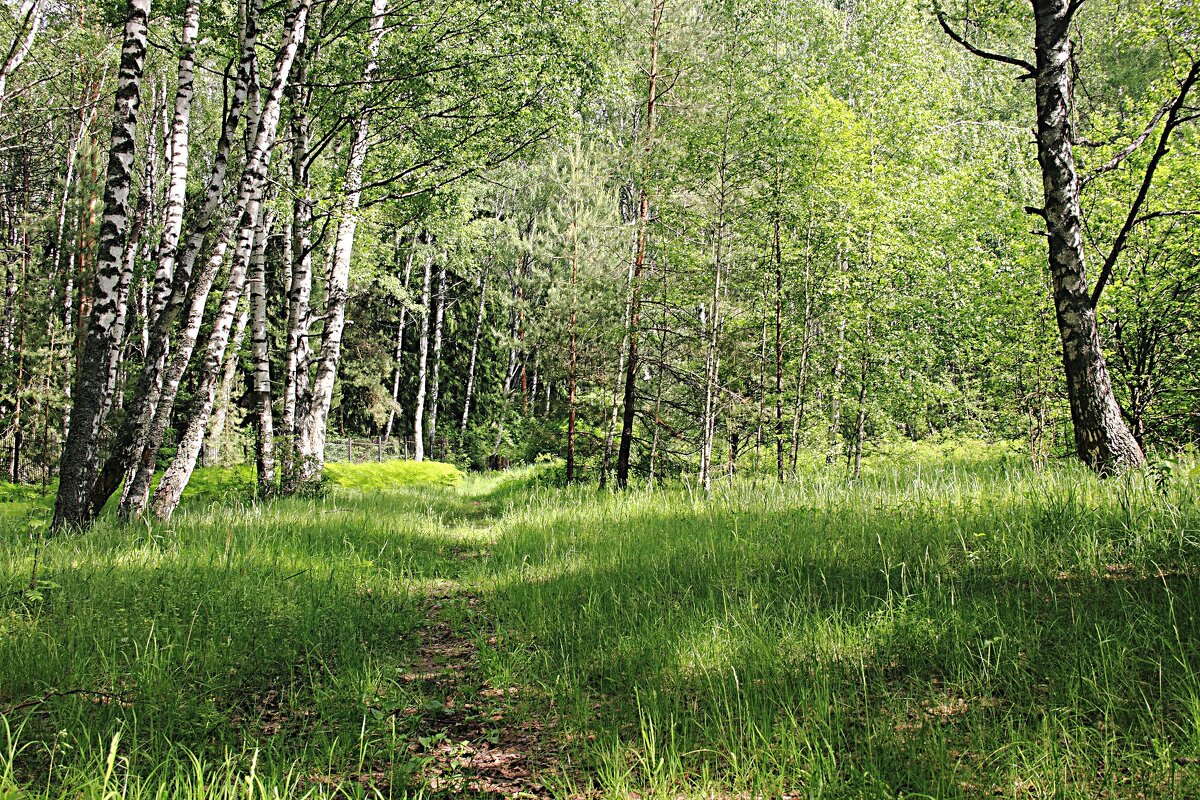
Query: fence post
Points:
[349, 449]
[380, 449]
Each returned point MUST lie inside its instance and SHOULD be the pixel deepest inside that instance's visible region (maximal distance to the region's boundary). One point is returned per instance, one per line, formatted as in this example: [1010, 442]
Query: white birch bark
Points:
[30, 15]
[422, 363]
[475, 339]
[80, 458]
[399, 351]
[242, 221]
[434, 387]
[312, 427]
[220, 415]
[178, 158]
[264, 450]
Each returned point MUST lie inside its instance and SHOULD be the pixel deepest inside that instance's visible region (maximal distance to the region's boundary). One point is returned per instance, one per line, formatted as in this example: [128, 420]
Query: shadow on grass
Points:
[860, 650]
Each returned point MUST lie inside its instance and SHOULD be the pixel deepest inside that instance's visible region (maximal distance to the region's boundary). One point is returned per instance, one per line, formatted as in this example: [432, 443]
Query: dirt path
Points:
[477, 740]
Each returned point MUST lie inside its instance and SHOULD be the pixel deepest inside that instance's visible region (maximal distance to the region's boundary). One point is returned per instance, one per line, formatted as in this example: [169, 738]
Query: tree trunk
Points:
[29, 14]
[178, 159]
[337, 287]
[1102, 439]
[264, 428]
[625, 449]
[296, 348]
[399, 352]
[778, 254]
[434, 386]
[135, 430]
[475, 339]
[80, 458]
[573, 354]
[423, 360]
[220, 413]
[243, 220]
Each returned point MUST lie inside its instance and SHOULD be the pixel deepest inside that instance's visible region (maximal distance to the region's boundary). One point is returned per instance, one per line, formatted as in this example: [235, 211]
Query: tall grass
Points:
[243, 650]
[959, 626]
[952, 630]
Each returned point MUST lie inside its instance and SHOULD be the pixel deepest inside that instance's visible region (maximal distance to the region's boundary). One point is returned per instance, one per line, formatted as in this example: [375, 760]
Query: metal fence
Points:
[360, 451]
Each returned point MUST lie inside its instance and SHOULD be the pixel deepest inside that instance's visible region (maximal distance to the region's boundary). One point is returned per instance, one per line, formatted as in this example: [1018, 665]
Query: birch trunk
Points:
[216, 425]
[398, 355]
[179, 471]
[422, 363]
[80, 458]
[264, 428]
[178, 158]
[30, 15]
[1102, 438]
[242, 220]
[311, 450]
[296, 349]
[475, 339]
[135, 430]
[434, 386]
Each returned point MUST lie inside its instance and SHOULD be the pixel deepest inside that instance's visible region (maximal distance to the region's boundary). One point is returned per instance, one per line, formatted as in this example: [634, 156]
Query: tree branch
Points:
[1030, 70]
[1131, 220]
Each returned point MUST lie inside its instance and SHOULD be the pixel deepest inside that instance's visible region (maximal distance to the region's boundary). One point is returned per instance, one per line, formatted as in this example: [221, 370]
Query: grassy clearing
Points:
[941, 628]
[961, 630]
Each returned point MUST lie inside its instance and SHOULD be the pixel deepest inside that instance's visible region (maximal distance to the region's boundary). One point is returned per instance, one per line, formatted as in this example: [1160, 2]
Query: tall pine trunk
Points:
[624, 450]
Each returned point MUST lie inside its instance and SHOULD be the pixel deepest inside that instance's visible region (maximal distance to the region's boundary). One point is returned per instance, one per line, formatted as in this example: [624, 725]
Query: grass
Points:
[952, 627]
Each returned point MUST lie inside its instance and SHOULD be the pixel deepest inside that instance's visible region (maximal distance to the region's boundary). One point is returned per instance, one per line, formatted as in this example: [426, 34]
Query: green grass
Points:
[961, 627]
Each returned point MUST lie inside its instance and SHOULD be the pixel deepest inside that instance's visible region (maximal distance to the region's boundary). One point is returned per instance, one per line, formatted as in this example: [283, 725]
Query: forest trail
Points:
[480, 739]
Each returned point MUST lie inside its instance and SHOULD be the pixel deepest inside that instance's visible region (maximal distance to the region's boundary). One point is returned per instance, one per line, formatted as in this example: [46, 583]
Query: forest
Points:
[599, 398]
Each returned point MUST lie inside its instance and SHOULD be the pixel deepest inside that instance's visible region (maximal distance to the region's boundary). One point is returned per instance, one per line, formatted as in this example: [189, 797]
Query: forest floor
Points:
[960, 626]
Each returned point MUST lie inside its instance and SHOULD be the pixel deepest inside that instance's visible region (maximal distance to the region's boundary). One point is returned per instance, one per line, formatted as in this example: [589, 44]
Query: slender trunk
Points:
[423, 361]
[434, 386]
[296, 349]
[80, 458]
[475, 339]
[135, 430]
[573, 355]
[178, 159]
[1102, 439]
[216, 425]
[615, 406]
[860, 424]
[631, 362]
[398, 356]
[337, 287]
[30, 15]
[778, 253]
[264, 428]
